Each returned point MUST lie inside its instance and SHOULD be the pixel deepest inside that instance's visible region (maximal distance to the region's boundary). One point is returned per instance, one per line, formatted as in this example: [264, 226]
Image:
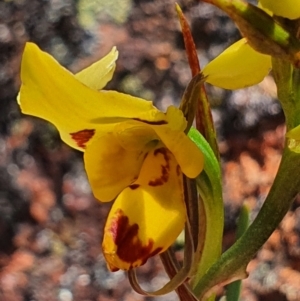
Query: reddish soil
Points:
[50, 224]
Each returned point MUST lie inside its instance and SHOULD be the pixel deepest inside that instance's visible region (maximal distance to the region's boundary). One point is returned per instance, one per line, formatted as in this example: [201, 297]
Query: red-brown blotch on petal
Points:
[159, 122]
[148, 215]
[165, 168]
[82, 137]
[130, 248]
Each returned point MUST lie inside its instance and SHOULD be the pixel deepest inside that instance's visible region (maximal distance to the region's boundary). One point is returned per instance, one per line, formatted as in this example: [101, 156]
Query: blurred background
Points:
[50, 224]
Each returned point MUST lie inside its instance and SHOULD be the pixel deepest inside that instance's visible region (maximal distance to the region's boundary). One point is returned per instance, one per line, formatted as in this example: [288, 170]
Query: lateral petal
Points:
[146, 217]
[97, 75]
[237, 67]
[187, 154]
[110, 167]
[51, 92]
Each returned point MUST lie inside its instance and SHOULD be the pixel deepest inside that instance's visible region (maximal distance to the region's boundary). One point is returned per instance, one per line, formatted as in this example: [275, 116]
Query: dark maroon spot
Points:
[159, 122]
[129, 247]
[134, 186]
[178, 170]
[113, 269]
[82, 137]
[145, 156]
[162, 151]
[165, 169]
[156, 182]
[156, 251]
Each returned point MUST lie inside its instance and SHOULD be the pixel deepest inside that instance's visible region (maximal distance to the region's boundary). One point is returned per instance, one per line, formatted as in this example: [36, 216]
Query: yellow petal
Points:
[264, 9]
[147, 217]
[239, 66]
[176, 119]
[186, 153]
[110, 167]
[100, 73]
[288, 8]
[81, 114]
[170, 132]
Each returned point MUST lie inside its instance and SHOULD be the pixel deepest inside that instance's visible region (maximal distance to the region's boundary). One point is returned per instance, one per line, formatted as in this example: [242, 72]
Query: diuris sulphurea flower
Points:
[237, 67]
[289, 9]
[134, 154]
[240, 65]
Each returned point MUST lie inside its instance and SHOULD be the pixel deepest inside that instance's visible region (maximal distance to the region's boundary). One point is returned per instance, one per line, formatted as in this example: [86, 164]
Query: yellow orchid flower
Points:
[288, 8]
[133, 153]
[240, 66]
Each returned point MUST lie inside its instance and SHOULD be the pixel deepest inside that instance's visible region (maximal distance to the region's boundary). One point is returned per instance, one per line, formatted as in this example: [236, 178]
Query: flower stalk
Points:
[232, 264]
[268, 36]
[205, 207]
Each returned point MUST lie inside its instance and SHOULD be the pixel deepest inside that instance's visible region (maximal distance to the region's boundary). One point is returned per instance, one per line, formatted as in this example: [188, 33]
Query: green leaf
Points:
[211, 164]
[209, 185]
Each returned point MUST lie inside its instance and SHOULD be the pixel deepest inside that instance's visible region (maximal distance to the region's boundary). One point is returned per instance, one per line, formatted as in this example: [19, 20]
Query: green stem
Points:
[287, 79]
[232, 264]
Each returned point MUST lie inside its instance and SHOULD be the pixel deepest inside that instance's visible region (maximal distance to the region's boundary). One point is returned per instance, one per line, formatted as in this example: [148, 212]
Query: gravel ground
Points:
[50, 224]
